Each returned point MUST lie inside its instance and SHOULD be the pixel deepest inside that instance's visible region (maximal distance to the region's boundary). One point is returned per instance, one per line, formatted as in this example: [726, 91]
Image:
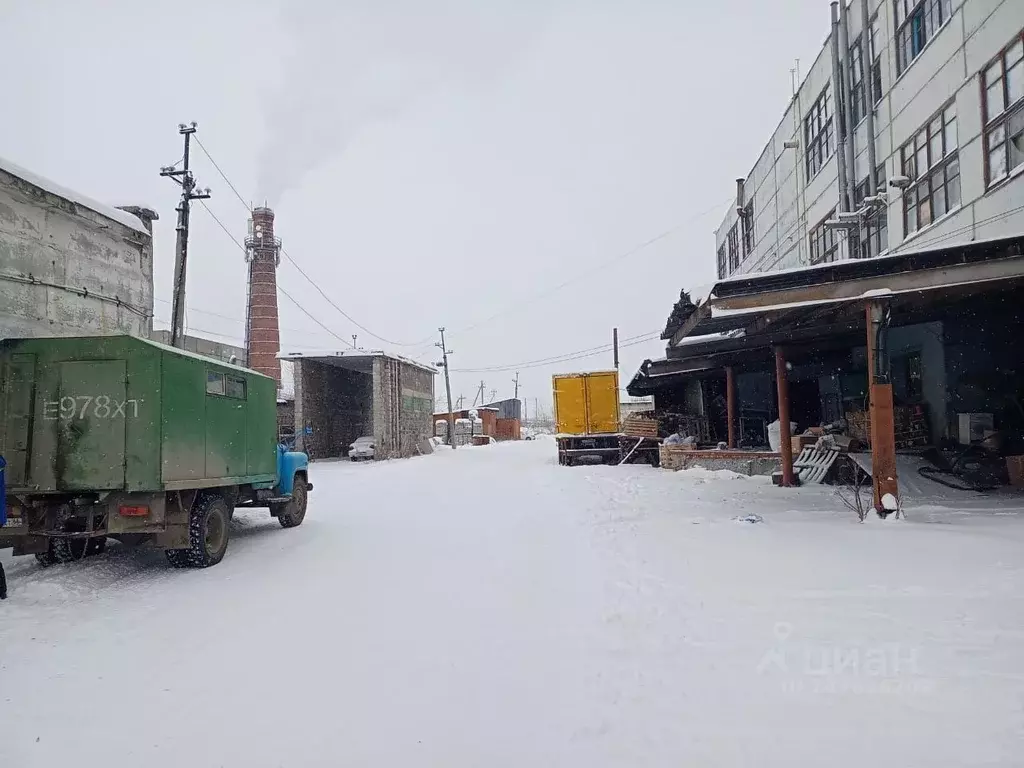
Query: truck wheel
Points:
[65, 550]
[207, 534]
[293, 513]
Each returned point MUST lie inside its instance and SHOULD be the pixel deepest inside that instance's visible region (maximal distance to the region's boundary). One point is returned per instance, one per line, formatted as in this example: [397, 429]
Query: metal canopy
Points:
[735, 302]
[822, 309]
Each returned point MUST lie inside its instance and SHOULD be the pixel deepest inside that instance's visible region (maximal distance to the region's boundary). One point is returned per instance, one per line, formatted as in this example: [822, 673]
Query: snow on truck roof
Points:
[121, 217]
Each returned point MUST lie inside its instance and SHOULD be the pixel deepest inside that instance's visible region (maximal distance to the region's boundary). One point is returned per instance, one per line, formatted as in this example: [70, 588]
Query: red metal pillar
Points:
[786, 449]
[883, 424]
[730, 404]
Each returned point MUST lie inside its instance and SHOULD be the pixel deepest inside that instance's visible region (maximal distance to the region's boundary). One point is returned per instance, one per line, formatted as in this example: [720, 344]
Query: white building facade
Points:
[931, 97]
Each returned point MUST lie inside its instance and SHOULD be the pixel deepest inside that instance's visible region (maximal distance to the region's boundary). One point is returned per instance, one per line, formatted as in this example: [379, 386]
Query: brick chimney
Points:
[262, 332]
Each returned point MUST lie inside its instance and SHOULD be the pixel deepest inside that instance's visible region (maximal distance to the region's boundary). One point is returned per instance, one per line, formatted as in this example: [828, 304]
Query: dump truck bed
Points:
[123, 413]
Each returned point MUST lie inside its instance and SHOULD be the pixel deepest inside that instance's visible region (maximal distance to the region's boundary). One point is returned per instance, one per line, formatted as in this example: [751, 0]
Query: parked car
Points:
[362, 449]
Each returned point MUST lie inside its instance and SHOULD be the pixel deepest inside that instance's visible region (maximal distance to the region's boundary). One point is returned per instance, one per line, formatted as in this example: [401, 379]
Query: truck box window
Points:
[214, 383]
[234, 387]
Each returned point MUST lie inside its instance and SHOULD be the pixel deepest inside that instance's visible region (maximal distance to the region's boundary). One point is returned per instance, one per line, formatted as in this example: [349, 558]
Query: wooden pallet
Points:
[813, 464]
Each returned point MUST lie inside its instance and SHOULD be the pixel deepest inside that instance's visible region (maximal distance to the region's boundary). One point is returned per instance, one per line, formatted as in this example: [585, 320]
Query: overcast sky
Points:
[477, 164]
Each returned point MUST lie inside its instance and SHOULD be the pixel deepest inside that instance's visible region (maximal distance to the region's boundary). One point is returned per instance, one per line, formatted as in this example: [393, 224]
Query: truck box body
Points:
[586, 403]
[111, 413]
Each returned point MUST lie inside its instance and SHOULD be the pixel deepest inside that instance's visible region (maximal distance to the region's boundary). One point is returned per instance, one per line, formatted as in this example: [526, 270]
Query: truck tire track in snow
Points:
[489, 607]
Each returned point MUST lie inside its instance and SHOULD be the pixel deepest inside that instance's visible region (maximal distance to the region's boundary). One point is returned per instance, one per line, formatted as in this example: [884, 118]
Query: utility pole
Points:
[516, 382]
[494, 394]
[354, 337]
[182, 177]
[479, 397]
[615, 345]
[447, 386]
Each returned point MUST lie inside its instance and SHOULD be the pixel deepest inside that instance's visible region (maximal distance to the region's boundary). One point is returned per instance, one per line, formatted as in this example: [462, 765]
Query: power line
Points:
[349, 317]
[310, 280]
[565, 357]
[238, 342]
[224, 176]
[529, 300]
[597, 268]
[279, 288]
[233, 318]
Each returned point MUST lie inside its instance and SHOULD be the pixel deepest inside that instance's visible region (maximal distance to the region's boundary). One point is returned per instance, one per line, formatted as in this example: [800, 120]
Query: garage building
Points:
[341, 396]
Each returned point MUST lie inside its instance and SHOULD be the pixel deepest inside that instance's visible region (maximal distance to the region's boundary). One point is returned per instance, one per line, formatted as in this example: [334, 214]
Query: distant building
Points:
[341, 396]
[69, 265]
[635, 405]
[218, 350]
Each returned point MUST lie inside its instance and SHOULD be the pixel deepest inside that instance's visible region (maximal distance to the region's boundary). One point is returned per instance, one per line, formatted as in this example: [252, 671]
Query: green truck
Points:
[121, 437]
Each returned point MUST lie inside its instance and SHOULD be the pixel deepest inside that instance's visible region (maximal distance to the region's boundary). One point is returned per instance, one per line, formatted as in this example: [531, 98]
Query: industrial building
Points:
[501, 420]
[888, 302]
[345, 395]
[906, 135]
[218, 350]
[70, 265]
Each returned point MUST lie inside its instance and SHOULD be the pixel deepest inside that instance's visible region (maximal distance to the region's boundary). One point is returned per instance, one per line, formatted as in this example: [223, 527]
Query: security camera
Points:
[900, 182]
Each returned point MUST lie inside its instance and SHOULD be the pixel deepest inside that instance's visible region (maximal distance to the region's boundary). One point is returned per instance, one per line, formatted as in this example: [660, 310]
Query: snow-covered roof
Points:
[121, 217]
[354, 354]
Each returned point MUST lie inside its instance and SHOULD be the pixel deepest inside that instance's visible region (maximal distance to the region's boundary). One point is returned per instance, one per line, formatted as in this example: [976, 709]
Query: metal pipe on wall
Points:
[837, 93]
[847, 95]
[869, 97]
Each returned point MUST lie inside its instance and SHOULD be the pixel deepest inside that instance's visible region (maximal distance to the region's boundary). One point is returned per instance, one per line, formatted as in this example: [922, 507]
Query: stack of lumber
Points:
[640, 425]
[910, 423]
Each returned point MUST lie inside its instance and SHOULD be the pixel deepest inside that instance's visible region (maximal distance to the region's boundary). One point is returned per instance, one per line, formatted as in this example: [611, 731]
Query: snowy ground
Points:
[489, 608]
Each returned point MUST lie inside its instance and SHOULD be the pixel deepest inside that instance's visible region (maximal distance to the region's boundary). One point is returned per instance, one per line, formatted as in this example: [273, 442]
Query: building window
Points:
[917, 21]
[875, 70]
[734, 250]
[721, 262]
[818, 133]
[857, 97]
[824, 244]
[1003, 106]
[930, 161]
[872, 237]
[747, 220]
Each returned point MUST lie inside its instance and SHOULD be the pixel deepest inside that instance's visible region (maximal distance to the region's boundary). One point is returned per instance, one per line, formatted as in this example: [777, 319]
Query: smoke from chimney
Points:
[353, 65]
